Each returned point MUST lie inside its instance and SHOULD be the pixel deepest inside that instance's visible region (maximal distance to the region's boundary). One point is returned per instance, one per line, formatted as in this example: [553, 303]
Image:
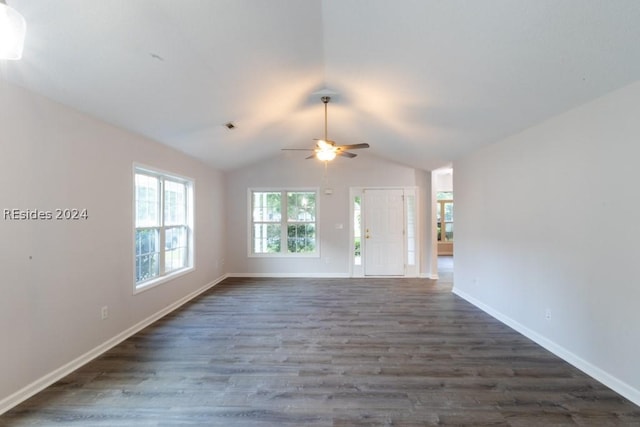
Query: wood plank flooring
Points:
[326, 352]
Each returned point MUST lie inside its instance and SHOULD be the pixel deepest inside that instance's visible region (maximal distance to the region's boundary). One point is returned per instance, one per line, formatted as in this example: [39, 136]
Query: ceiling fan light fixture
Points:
[326, 149]
[324, 145]
[326, 155]
[12, 32]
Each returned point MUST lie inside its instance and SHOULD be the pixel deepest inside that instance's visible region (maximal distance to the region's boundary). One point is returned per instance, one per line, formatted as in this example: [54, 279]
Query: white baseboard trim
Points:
[593, 371]
[47, 380]
[293, 275]
[432, 276]
[324, 276]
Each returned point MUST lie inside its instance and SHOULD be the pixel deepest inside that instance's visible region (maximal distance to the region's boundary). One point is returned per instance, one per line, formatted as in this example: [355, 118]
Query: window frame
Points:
[283, 223]
[189, 184]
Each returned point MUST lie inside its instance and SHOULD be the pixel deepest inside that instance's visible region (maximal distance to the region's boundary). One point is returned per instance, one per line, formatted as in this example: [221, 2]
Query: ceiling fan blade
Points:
[313, 156]
[346, 154]
[353, 146]
[297, 149]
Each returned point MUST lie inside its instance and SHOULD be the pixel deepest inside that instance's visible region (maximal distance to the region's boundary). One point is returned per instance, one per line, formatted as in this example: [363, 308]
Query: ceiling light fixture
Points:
[325, 151]
[12, 31]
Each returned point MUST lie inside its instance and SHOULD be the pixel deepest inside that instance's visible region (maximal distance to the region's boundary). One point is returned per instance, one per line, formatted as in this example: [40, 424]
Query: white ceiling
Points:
[422, 81]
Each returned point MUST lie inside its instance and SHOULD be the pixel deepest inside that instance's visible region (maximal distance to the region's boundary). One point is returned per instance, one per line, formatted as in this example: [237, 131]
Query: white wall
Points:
[293, 171]
[443, 179]
[549, 219]
[56, 275]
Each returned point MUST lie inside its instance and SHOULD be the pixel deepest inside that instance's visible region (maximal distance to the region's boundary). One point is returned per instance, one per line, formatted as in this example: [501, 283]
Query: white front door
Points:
[383, 232]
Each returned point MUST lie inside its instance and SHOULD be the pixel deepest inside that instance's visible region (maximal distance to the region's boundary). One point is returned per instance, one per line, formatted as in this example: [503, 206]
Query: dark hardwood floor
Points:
[326, 352]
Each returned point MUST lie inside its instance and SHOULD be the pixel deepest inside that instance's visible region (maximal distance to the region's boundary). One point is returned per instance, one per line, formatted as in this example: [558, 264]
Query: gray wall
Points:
[548, 221]
[56, 275]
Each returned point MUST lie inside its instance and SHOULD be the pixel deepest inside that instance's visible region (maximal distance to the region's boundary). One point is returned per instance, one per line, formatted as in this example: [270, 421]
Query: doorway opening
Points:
[445, 268]
[444, 222]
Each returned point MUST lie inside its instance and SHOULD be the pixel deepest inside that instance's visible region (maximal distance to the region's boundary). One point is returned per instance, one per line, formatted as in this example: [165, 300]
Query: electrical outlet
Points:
[104, 312]
[547, 314]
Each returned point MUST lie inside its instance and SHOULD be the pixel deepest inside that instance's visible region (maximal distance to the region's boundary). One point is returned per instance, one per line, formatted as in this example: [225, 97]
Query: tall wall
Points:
[292, 171]
[548, 235]
[56, 275]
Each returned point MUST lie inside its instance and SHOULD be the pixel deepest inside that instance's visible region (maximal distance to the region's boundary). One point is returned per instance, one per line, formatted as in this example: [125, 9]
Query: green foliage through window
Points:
[270, 228]
[301, 238]
[147, 254]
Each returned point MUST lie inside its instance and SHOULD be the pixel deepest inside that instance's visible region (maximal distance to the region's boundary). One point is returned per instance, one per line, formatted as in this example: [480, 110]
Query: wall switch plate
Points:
[104, 312]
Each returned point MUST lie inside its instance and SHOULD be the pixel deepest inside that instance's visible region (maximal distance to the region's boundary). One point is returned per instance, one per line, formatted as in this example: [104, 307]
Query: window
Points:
[357, 230]
[283, 222]
[411, 228]
[445, 216]
[163, 231]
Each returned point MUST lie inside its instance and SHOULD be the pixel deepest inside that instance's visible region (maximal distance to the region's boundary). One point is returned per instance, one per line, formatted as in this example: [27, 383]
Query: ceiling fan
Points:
[327, 149]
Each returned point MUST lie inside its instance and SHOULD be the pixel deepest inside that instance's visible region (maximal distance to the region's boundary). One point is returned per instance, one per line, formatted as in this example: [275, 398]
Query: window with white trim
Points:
[283, 222]
[163, 225]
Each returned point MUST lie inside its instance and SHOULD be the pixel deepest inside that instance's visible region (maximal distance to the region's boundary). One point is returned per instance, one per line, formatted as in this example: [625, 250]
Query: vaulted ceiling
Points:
[422, 81]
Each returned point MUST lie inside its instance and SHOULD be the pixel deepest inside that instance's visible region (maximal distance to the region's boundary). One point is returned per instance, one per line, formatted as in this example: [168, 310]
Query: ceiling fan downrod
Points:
[326, 100]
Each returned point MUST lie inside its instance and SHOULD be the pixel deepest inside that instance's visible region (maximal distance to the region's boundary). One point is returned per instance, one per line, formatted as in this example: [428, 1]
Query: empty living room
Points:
[319, 213]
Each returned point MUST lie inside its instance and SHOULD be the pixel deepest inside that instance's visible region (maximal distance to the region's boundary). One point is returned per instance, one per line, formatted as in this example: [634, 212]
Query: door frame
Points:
[411, 261]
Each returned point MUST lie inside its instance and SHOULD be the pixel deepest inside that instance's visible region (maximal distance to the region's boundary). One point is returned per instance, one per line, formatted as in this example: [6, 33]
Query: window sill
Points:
[145, 286]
